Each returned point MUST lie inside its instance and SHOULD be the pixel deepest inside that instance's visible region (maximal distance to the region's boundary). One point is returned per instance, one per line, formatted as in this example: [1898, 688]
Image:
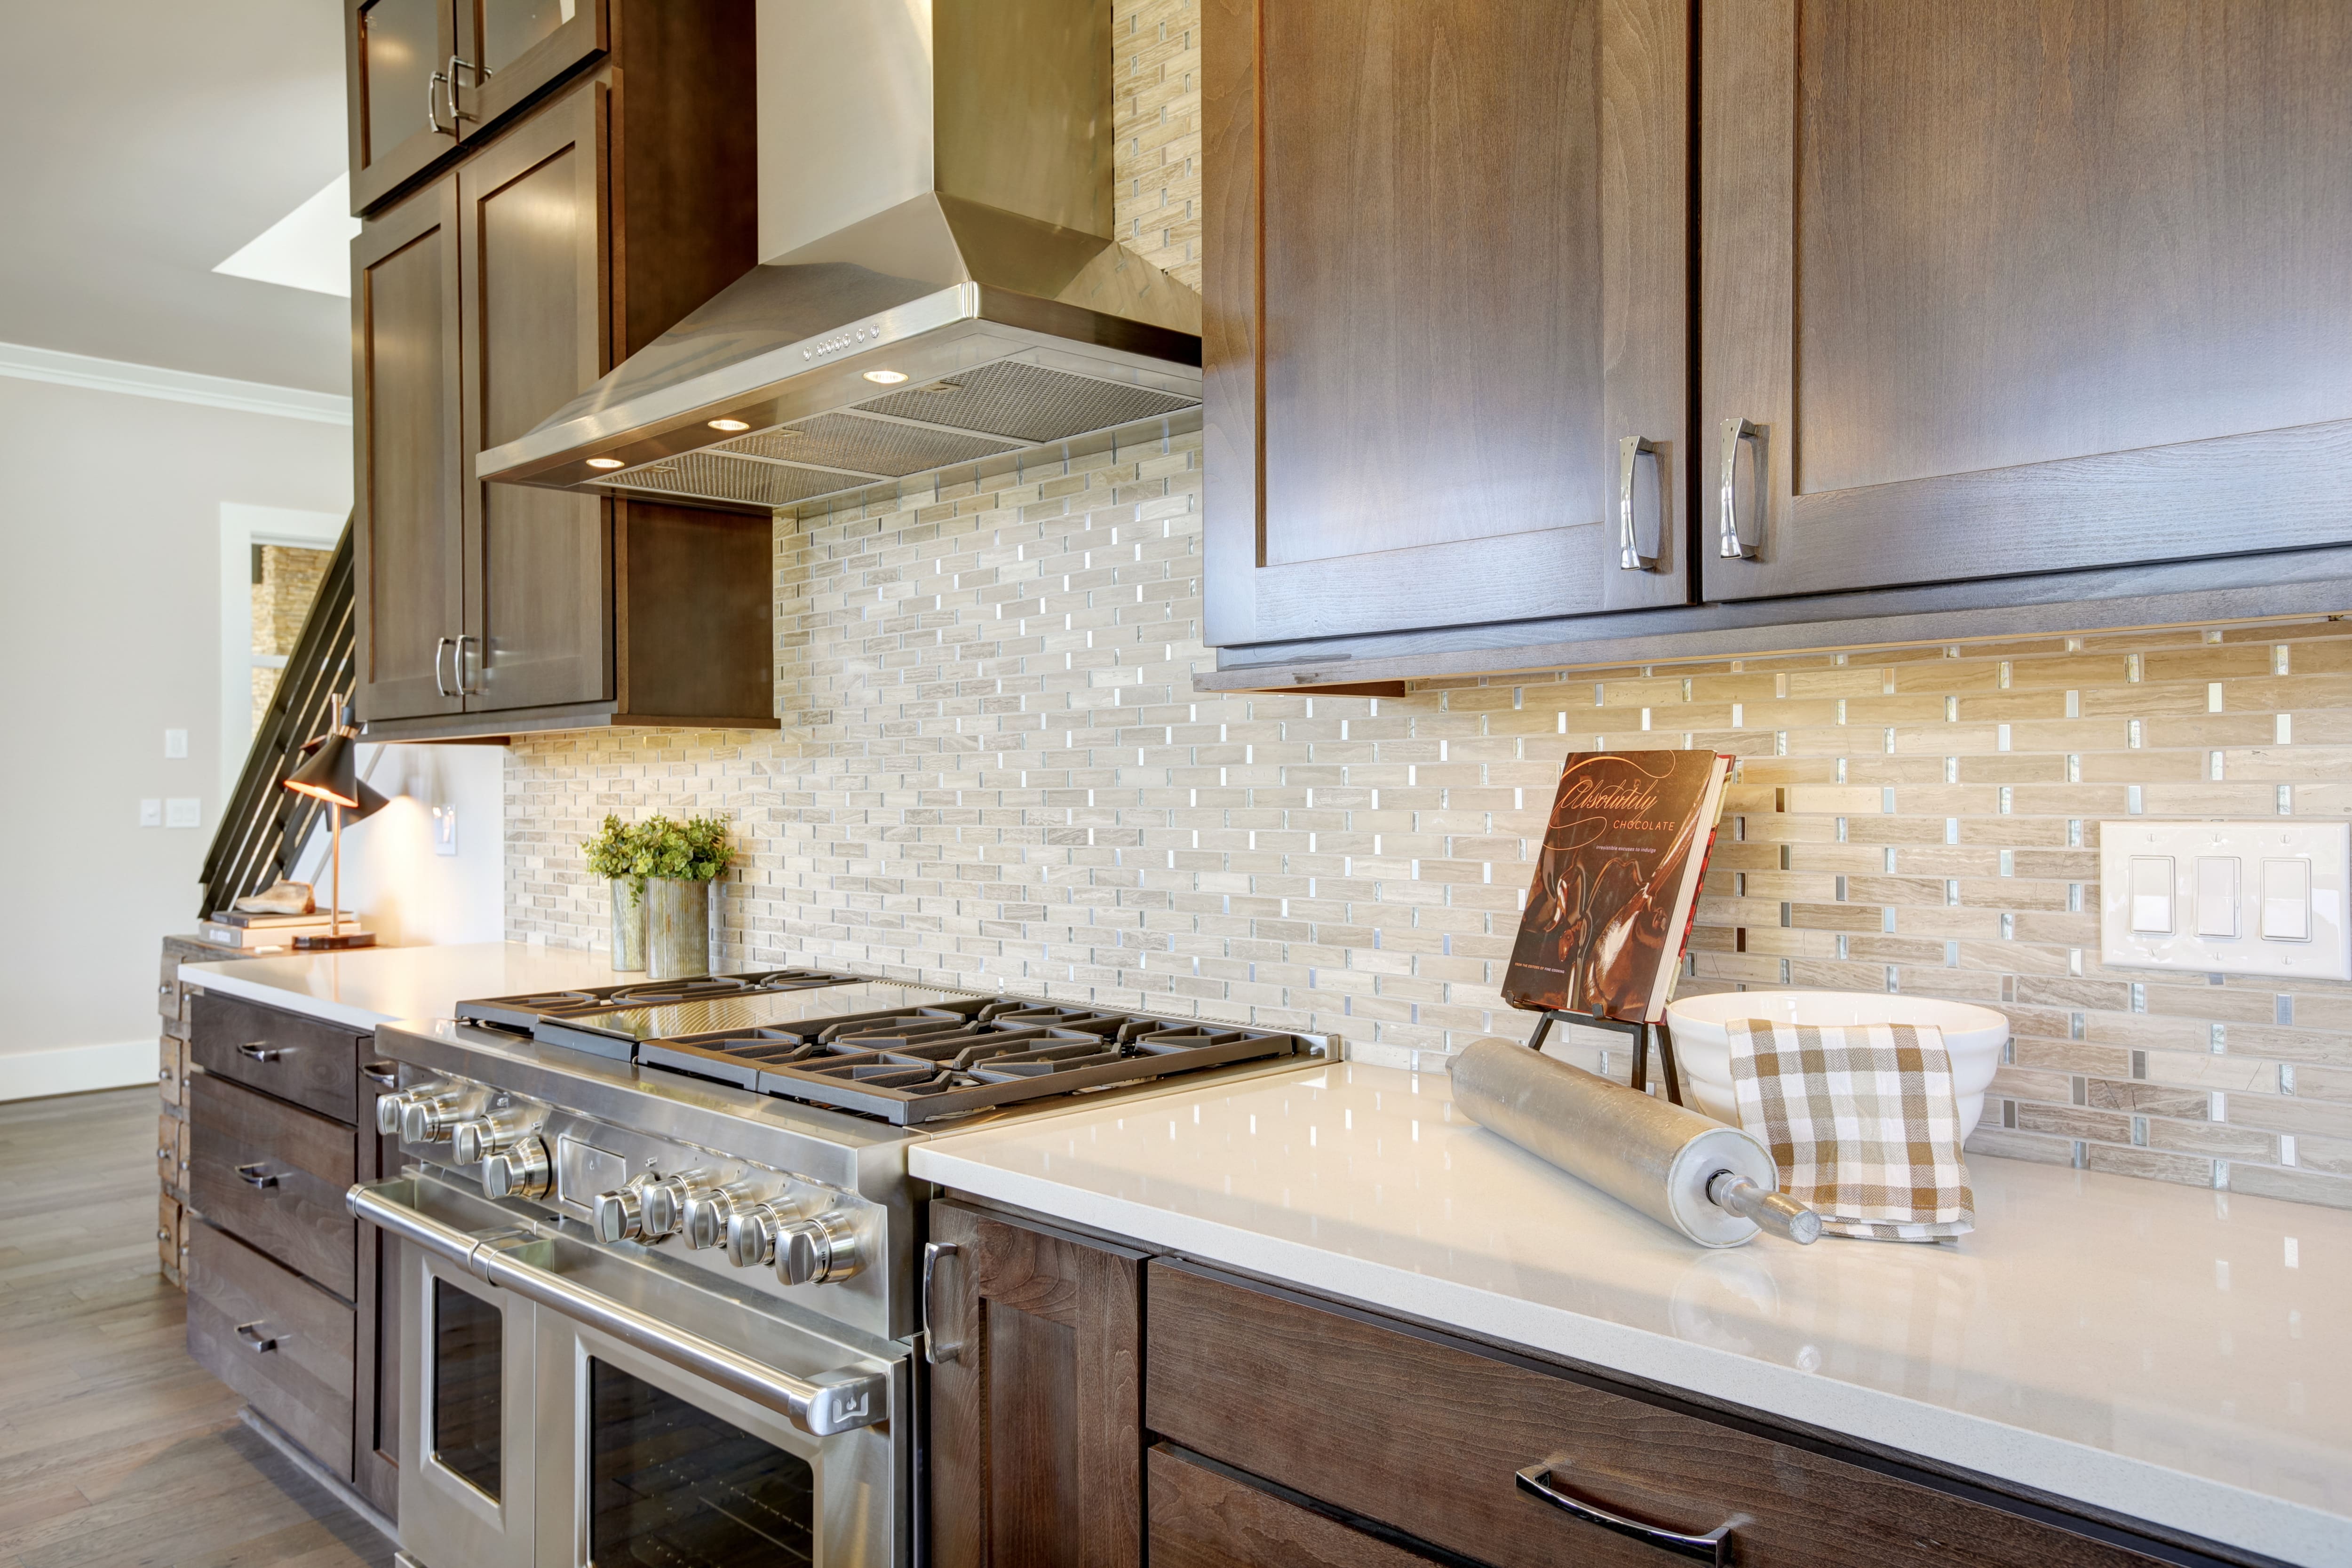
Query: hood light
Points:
[728, 425]
[886, 377]
[604, 462]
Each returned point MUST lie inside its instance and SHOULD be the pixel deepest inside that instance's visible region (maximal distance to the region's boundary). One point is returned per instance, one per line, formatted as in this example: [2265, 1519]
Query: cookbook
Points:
[1616, 883]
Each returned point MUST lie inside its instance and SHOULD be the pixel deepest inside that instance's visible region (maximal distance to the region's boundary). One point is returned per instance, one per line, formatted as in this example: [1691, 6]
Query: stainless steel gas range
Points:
[659, 1301]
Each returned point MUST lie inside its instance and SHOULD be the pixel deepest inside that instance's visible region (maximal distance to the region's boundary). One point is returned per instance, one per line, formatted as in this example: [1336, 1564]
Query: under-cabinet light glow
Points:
[728, 425]
[886, 377]
[604, 462]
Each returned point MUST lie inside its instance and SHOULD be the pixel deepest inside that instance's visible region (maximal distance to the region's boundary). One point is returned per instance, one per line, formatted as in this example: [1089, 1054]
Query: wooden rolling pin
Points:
[1717, 1185]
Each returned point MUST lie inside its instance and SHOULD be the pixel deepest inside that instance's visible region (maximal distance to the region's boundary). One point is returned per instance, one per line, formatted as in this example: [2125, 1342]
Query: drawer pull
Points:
[163, 1077]
[255, 1339]
[165, 989]
[935, 1353]
[263, 1051]
[1714, 1547]
[385, 1073]
[258, 1174]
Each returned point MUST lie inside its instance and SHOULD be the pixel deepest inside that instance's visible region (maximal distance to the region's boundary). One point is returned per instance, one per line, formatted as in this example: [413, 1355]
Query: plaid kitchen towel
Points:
[1862, 1121]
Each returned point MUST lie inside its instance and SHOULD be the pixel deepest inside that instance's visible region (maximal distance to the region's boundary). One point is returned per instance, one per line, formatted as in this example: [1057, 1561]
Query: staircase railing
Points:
[265, 826]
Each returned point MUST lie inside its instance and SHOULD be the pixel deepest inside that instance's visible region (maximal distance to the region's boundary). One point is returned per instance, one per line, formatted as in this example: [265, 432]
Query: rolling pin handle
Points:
[1776, 1212]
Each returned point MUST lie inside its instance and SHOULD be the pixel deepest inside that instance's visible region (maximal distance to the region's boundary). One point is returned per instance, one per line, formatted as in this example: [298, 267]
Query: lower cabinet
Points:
[277, 1339]
[1035, 1396]
[1088, 1401]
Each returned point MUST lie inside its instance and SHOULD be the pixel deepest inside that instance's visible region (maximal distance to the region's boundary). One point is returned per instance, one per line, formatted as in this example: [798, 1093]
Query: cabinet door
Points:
[2023, 286]
[405, 388]
[538, 579]
[1036, 1433]
[510, 50]
[376, 1361]
[1445, 279]
[395, 65]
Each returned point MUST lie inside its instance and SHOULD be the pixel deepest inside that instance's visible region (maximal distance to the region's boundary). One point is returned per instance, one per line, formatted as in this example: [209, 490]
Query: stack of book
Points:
[258, 932]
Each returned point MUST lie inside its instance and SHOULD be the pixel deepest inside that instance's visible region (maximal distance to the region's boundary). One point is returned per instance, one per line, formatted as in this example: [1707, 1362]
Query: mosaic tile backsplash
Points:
[995, 772]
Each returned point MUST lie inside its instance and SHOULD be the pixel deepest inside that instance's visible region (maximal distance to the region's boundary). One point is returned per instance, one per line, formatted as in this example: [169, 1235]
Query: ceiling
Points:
[149, 141]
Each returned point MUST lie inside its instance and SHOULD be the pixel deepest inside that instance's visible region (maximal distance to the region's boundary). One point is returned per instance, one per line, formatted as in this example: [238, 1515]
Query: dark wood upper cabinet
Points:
[2022, 287]
[482, 303]
[395, 68]
[539, 563]
[407, 350]
[1445, 274]
[510, 52]
[1036, 1421]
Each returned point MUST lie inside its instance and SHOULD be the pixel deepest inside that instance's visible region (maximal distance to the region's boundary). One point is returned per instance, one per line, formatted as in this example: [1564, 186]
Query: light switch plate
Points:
[445, 830]
[183, 811]
[175, 744]
[2229, 883]
[150, 814]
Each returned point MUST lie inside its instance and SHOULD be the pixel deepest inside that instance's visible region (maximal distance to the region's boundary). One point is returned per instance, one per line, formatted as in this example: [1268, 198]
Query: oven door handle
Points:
[822, 1405]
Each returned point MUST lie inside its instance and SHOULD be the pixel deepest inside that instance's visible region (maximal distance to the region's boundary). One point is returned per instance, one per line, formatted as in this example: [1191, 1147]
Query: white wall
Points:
[406, 893]
[110, 633]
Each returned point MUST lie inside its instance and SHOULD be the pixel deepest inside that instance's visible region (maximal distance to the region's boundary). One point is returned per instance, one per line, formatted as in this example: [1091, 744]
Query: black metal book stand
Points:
[1640, 1031]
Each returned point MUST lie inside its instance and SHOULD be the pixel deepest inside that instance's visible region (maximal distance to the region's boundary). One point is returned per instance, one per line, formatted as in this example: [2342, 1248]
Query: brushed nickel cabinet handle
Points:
[1629, 452]
[257, 1174]
[458, 666]
[1714, 1547]
[440, 649]
[263, 1051]
[255, 1339]
[456, 106]
[1733, 545]
[432, 106]
[933, 1351]
[385, 1073]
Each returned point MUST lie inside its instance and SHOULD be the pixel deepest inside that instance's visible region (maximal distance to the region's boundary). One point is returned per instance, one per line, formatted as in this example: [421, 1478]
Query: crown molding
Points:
[27, 363]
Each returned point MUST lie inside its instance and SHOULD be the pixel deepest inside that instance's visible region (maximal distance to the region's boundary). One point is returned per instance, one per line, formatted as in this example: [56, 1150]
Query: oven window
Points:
[675, 1484]
[468, 1352]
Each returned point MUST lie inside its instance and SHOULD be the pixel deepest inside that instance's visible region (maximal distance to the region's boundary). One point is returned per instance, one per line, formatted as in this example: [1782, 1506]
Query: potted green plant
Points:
[616, 855]
[681, 860]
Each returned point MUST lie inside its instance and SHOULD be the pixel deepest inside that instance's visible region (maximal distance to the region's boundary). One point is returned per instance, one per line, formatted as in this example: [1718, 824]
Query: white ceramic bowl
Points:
[1974, 1035]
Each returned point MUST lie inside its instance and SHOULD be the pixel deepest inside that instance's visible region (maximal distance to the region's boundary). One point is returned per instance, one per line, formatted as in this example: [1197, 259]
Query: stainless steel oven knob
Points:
[480, 1137]
[704, 1214]
[661, 1202]
[521, 1170]
[751, 1235]
[816, 1251]
[429, 1118]
[619, 1215]
[388, 1108]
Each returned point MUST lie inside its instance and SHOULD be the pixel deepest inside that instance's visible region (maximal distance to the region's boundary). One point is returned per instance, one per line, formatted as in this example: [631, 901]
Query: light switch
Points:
[183, 811]
[2269, 898]
[445, 830]
[175, 744]
[2216, 895]
[2287, 901]
[2151, 895]
[150, 814]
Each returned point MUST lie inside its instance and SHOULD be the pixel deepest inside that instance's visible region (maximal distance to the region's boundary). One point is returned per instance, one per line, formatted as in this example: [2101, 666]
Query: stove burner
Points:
[928, 1064]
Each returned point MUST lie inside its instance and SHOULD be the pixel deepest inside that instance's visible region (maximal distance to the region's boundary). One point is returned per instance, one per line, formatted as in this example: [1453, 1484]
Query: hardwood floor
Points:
[115, 1449]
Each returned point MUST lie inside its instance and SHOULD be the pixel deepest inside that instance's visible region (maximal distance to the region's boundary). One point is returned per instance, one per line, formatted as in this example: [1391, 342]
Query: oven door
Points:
[661, 1419]
[466, 1448]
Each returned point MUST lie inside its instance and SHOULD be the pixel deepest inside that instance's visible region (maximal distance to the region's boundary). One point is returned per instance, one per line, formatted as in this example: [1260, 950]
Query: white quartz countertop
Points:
[2171, 1353]
[371, 985]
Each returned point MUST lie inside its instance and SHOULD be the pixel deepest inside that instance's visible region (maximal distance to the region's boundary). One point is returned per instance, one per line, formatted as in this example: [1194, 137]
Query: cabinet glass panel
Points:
[469, 1356]
[398, 39]
[509, 27]
[674, 1483]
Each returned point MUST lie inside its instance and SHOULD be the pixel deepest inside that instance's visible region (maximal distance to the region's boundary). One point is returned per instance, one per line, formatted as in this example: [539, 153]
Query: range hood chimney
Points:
[940, 286]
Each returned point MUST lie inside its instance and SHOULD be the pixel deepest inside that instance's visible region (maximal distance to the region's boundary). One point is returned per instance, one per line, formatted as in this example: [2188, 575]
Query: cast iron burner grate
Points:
[928, 1064]
[522, 1011]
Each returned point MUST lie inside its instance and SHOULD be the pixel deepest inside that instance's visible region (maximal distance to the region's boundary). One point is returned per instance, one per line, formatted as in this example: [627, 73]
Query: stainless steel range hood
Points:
[943, 286]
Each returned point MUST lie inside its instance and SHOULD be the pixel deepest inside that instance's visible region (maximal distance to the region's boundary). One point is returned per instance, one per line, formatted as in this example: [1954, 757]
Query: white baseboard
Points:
[32, 1075]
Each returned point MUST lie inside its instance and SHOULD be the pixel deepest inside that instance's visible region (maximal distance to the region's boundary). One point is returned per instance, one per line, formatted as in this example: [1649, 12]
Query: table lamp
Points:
[330, 772]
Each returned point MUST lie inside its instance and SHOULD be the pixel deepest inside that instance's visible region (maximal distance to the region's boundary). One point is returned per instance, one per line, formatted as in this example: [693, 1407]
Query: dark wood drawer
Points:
[273, 1175]
[1202, 1518]
[1426, 1435]
[274, 1337]
[295, 1058]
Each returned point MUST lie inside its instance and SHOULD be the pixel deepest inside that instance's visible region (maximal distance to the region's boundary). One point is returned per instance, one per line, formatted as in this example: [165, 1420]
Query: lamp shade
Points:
[329, 773]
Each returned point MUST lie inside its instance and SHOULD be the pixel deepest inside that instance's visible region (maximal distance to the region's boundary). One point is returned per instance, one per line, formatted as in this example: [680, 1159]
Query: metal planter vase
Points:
[678, 927]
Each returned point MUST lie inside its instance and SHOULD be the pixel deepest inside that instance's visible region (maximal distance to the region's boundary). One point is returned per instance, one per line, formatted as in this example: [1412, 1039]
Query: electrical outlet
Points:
[175, 744]
[2227, 897]
[150, 814]
[183, 811]
[445, 830]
